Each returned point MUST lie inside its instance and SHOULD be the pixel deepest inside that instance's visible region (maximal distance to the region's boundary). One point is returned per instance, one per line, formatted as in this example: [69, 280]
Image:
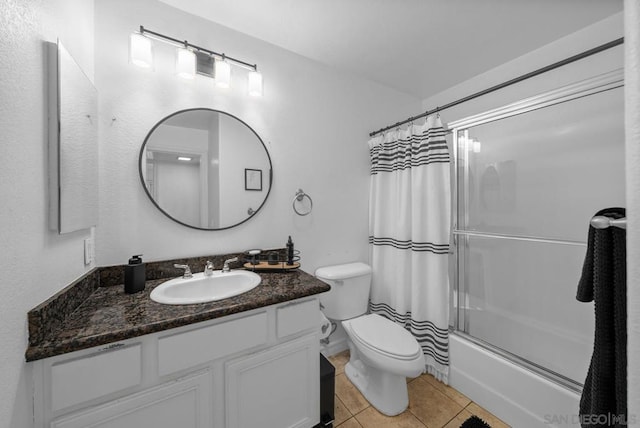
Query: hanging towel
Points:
[604, 281]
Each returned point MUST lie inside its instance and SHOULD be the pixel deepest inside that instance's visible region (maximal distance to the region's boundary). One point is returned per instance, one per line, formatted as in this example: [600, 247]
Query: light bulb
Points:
[185, 63]
[140, 50]
[255, 84]
[223, 74]
[477, 146]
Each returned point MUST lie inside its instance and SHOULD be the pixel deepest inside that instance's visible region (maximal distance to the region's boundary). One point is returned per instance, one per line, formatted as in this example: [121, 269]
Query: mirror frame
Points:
[144, 186]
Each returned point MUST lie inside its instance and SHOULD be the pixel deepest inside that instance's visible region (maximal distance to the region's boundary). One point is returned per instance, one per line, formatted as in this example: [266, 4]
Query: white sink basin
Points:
[201, 288]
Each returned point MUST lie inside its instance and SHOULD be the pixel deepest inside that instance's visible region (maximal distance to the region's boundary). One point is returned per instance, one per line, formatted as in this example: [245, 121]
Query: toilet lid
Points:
[385, 336]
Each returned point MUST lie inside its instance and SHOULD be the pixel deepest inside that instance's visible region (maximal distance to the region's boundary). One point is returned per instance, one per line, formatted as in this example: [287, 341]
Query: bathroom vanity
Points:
[247, 361]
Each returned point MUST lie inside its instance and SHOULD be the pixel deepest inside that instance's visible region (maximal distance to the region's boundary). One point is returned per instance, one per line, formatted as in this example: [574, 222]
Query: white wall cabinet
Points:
[258, 368]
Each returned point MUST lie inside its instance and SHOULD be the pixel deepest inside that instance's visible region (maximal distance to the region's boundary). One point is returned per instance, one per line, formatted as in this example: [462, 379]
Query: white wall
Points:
[313, 120]
[597, 34]
[632, 130]
[37, 262]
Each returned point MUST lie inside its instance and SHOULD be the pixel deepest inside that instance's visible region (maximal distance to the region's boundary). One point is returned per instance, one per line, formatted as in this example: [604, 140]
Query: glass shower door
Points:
[529, 178]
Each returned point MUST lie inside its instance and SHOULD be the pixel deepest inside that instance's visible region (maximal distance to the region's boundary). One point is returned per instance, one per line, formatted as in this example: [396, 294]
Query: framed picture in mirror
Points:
[252, 179]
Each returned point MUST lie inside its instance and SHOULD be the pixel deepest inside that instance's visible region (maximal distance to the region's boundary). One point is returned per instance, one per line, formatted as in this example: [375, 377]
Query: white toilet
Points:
[383, 354]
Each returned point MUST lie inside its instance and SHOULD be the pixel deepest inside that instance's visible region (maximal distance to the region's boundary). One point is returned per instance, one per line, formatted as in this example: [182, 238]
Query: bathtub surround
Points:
[409, 224]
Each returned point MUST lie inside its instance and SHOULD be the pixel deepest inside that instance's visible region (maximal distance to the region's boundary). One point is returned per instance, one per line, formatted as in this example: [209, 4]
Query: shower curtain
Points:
[409, 221]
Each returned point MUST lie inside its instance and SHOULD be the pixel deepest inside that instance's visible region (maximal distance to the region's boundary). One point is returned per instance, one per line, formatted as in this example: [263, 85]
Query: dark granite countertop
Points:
[109, 315]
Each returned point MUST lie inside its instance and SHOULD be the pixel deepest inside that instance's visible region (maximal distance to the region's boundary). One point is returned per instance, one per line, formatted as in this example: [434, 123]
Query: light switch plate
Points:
[88, 251]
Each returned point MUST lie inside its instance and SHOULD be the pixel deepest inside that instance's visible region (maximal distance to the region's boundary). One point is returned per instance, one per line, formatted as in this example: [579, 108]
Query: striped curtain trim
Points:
[403, 156]
[410, 245]
[404, 146]
[433, 340]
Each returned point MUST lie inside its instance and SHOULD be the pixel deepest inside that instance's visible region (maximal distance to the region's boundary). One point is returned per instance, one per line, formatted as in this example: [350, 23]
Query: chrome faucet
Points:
[187, 270]
[208, 269]
[225, 267]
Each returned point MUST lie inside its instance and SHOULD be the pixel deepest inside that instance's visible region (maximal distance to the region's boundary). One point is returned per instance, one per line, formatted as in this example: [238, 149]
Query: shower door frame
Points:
[460, 238]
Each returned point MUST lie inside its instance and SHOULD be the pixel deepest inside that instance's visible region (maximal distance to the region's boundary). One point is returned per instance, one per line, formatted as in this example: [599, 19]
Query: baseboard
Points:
[334, 347]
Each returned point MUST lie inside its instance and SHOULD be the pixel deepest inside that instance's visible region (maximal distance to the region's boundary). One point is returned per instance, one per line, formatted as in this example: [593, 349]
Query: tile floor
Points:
[431, 405]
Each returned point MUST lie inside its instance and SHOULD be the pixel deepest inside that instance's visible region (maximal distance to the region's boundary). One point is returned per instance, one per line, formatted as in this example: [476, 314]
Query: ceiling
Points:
[419, 47]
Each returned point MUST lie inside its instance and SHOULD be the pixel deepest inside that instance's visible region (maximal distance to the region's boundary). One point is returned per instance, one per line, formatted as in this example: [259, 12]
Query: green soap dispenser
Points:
[134, 275]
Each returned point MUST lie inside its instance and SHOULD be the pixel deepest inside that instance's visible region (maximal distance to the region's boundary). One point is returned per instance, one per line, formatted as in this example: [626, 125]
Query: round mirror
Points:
[205, 169]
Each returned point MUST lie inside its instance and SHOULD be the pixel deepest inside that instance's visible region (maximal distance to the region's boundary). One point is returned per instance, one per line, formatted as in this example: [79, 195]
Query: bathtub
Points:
[519, 396]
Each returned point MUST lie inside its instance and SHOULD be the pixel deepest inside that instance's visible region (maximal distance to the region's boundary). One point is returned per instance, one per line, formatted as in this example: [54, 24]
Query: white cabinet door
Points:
[276, 388]
[184, 403]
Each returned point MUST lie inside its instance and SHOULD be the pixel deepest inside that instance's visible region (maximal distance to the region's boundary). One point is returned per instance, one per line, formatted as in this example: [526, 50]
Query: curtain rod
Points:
[550, 67]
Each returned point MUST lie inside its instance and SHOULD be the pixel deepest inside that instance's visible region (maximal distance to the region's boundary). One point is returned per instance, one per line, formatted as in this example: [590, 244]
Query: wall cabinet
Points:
[254, 369]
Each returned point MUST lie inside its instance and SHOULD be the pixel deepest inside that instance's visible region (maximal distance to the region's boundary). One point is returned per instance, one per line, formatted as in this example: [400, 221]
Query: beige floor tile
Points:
[371, 418]
[486, 416]
[431, 406]
[456, 396]
[458, 420]
[349, 395]
[339, 360]
[341, 412]
[350, 423]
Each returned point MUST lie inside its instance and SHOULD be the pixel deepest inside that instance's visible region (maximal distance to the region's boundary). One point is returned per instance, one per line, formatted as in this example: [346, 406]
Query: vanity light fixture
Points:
[184, 158]
[255, 83]
[187, 62]
[223, 73]
[140, 52]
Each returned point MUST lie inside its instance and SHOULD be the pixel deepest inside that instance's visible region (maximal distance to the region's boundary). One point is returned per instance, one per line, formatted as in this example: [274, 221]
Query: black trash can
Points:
[327, 393]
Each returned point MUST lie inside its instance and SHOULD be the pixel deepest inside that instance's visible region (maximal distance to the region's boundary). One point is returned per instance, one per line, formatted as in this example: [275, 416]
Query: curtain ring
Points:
[300, 195]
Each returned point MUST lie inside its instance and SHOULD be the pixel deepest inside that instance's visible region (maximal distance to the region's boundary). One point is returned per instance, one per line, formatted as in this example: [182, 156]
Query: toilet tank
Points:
[349, 295]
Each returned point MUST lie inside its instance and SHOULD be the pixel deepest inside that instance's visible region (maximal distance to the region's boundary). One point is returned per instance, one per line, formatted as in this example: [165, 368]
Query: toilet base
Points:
[385, 391]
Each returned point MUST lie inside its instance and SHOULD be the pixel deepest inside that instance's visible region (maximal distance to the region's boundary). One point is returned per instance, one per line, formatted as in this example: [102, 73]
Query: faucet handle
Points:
[208, 268]
[187, 270]
[225, 267]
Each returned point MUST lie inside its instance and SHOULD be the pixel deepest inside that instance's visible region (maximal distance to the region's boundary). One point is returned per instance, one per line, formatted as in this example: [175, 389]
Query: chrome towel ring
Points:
[300, 195]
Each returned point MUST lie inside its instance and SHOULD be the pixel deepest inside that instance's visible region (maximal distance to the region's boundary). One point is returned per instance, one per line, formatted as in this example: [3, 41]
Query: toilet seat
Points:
[385, 337]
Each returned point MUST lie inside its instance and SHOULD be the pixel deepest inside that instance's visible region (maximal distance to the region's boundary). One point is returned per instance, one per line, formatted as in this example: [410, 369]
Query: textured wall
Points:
[632, 130]
[313, 120]
[37, 262]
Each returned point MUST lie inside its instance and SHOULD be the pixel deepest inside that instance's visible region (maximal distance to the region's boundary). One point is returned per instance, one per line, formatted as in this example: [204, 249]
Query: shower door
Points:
[528, 179]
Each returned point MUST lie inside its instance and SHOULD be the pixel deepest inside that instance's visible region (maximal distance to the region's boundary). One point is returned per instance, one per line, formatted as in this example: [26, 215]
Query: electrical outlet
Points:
[89, 254]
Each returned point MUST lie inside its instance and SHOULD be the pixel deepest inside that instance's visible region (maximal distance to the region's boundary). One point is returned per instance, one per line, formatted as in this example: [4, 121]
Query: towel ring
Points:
[300, 195]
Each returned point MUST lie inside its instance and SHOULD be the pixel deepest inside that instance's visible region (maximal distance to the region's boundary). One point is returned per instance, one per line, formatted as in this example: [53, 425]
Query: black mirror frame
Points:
[144, 186]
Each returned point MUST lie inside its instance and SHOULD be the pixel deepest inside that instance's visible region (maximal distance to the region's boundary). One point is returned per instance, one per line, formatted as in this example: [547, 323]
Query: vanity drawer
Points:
[297, 316]
[86, 378]
[184, 350]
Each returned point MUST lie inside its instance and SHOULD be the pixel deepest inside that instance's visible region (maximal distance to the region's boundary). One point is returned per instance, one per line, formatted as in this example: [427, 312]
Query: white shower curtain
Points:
[409, 221]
